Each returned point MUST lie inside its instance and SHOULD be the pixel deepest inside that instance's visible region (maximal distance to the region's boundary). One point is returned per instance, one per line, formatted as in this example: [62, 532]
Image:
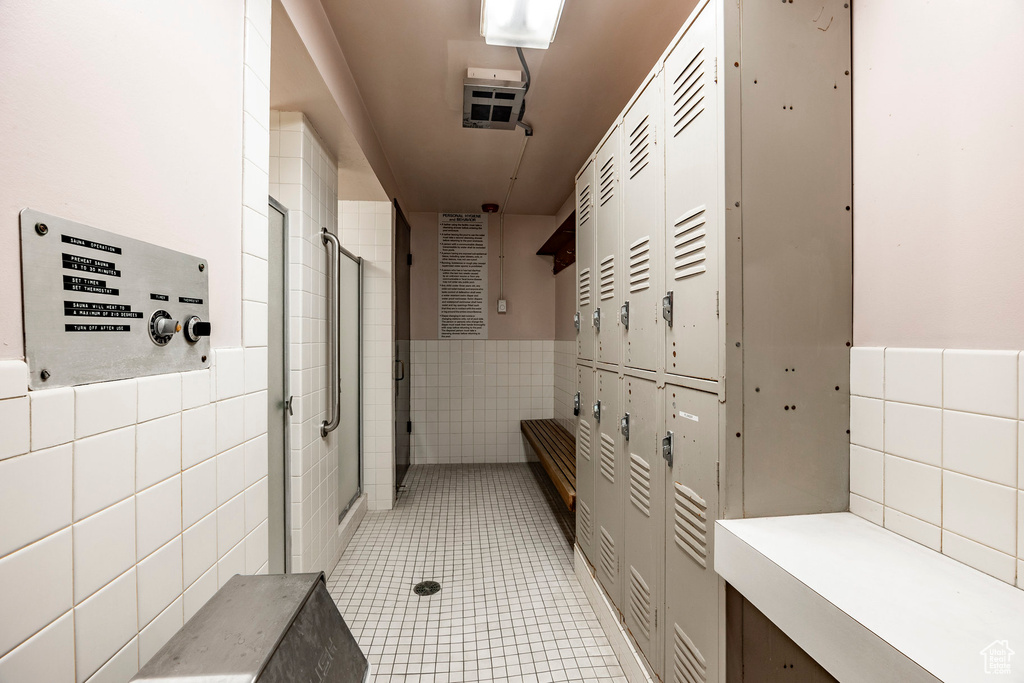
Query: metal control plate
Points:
[89, 295]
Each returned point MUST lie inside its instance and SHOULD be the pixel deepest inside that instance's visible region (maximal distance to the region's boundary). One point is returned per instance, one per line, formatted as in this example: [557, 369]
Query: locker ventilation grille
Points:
[689, 93]
[608, 277]
[688, 665]
[638, 147]
[584, 439]
[691, 524]
[608, 457]
[640, 265]
[585, 519]
[585, 204]
[608, 561]
[640, 484]
[640, 602]
[607, 181]
[585, 287]
[690, 244]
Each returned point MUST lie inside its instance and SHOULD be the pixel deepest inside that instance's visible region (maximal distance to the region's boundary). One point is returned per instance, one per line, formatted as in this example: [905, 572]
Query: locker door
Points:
[692, 213]
[608, 331]
[644, 523]
[608, 487]
[585, 462]
[643, 185]
[585, 252]
[691, 585]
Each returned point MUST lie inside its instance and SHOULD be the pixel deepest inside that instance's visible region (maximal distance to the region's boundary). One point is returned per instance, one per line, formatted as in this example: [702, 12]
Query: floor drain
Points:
[426, 588]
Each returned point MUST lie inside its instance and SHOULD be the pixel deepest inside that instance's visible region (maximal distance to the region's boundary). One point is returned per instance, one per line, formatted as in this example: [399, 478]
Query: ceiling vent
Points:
[491, 103]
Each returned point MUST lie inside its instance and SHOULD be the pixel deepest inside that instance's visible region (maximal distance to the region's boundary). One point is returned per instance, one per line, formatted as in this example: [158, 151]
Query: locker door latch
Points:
[624, 315]
[597, 411]
[597, 318]
[666, 307]
[667, 446]
[576, 320]
[624, 426]
[576, 404]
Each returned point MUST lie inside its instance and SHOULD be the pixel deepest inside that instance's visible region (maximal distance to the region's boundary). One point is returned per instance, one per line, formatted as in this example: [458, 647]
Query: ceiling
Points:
[296, 85]
[409, 58]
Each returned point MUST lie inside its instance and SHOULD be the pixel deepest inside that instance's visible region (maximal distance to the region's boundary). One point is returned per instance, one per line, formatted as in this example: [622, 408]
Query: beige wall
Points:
[565, 285]
[529, 285]
[938, 174]
[127, 139]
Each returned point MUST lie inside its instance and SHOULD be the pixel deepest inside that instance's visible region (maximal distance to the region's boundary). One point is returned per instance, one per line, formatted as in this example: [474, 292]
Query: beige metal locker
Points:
[608, 489]
[585, 468]
[608, 209]
[644, 522]
[692, 589]
[692, 212]
[643, 185]
[586, 283]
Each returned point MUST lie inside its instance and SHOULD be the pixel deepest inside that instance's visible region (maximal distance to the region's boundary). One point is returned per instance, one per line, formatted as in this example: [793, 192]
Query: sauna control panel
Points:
[98, 306]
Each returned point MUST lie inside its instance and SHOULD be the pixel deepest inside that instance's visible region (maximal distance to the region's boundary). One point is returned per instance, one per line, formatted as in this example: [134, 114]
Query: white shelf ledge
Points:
[870, 605]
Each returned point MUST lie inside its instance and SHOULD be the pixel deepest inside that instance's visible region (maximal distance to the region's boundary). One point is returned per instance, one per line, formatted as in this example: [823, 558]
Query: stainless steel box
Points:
[271, 629]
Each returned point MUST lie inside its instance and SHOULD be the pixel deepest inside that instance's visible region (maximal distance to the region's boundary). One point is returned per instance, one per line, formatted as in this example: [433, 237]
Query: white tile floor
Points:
[498, 540]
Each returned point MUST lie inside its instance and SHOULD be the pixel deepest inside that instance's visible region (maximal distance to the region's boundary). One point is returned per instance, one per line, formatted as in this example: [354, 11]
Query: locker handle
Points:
[576, 320]
[624, 315]
[576, 404]
[597, 318]
[597, 411]
[666, 307]
[624, 426]
[667, 447]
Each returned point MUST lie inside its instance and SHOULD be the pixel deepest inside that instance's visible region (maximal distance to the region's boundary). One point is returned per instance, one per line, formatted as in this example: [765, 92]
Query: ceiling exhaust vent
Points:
[491, 104]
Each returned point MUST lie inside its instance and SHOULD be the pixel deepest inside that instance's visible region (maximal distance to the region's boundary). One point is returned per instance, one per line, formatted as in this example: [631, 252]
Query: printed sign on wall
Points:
[462, 276]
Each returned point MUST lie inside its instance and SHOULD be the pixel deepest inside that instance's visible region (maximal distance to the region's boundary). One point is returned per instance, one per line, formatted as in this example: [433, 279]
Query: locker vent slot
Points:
[608, 457]
[607, 181]
[640, 484]
[688, 665]
[584, 287]
[690, 244]
[689, 94]
[691, 530]
[638, 147]
[584, 204]
[640, 602]
[584, 439]
[585, 519]
[640, 265]
[608, 560]
[608, 277]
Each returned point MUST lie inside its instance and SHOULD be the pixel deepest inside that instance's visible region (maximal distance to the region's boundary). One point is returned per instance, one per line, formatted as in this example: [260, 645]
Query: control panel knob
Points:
[162, 327]
[196, 328]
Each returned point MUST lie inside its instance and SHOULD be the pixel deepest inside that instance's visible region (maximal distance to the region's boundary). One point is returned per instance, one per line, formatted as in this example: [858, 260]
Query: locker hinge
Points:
[576, 320]
[666, 307]
[410, 259]
[597, 319]
[718, 313]
[597, 411]
[718, 474]
[624, 315]
[667, 446]
[576, 404]
[624, 426]
[408, 427]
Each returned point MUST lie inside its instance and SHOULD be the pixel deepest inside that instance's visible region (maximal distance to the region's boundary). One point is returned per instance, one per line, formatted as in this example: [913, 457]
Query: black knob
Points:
[196, 328]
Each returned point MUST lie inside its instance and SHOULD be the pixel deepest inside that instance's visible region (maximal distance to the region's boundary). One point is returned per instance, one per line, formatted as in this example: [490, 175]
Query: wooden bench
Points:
[556, 449]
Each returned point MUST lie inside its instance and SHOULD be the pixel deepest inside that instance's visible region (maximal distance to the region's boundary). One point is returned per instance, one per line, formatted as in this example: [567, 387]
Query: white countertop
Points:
[870, 605]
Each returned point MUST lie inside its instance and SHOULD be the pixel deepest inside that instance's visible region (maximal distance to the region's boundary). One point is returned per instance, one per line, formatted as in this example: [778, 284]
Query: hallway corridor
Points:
[510, 609]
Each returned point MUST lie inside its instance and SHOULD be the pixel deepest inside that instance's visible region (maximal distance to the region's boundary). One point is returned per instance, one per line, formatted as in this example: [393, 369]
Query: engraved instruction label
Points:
[462, 275]
[73, 283]
[97, 328]
[89, 244]
[89, 265]
[189, 300]
[86, 308]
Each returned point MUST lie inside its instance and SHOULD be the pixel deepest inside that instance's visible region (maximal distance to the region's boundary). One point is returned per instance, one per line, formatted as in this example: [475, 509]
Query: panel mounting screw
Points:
[45, 374]
[203, 359]
[202, 267]
[41, 228]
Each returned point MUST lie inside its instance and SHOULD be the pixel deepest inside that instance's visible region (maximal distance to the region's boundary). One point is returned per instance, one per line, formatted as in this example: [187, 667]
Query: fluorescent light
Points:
[520, 23]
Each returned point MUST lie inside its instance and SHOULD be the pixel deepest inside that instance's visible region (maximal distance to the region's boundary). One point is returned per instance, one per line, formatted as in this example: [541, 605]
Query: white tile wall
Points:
[103, 554]
[936, 451]
[469, 396]
[304, 177]
[366, 229]
[565, 383]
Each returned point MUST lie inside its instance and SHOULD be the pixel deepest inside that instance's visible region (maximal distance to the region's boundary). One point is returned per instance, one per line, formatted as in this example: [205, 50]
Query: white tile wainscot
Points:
[937, 451]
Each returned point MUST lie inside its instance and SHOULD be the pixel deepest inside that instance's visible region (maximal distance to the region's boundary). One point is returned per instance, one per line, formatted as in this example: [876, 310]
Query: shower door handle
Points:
[402, 363]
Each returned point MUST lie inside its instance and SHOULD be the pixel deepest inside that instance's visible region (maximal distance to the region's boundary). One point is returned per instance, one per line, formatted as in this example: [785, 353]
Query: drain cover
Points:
[426, 588]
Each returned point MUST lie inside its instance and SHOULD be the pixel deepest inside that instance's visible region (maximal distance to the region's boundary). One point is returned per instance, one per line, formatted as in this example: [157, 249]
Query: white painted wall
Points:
[938, 170]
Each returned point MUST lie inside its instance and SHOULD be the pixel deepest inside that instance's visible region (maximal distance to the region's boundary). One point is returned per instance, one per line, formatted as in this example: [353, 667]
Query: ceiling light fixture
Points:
[520, 23]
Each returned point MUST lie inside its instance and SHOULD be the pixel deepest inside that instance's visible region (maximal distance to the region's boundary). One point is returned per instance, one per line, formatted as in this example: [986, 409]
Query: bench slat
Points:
[556, 449]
